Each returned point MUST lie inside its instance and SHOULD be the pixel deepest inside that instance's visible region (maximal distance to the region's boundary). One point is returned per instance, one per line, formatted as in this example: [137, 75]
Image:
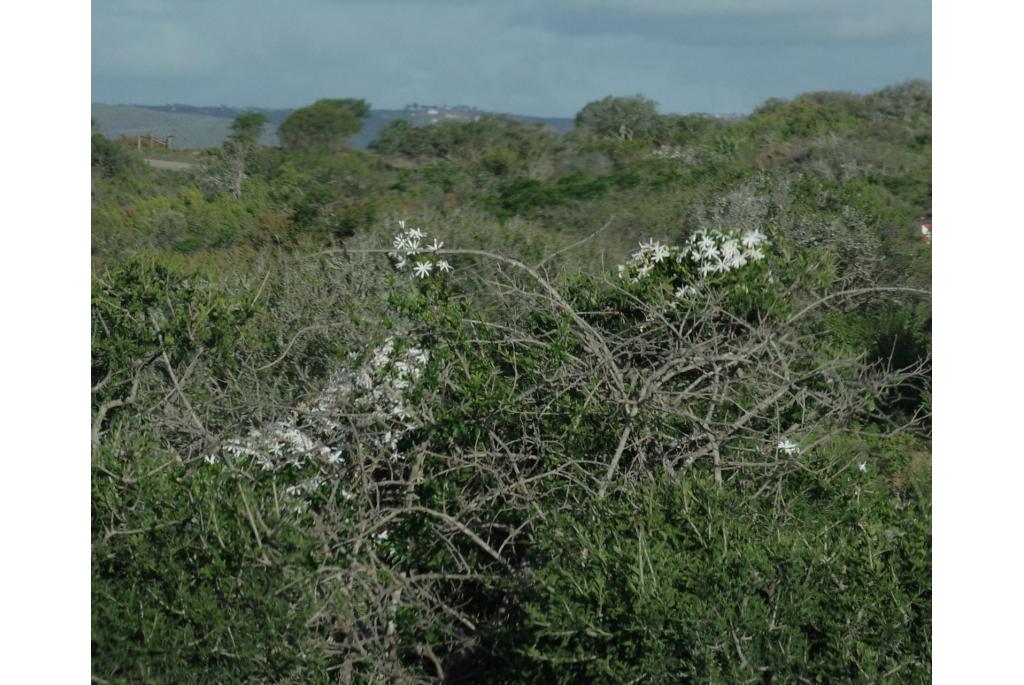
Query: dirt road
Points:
[169, 165]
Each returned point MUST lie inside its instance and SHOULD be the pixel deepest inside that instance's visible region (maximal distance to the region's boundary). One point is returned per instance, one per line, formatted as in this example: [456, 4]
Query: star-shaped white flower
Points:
[422, 270]
[863, 466]
[659, 253]
[435, 246]
[685, 292]
[730, 249]
[752, 239]
[415, 233]
[443, 265]
[789, 447]
[754, 254]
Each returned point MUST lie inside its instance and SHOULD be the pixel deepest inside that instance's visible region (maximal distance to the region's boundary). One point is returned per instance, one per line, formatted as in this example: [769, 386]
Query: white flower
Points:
[443, 265]
[863, 466]
[730, 249]
[685, 292]
[401, 224]
[752, 239]
[422, 270]
[400, 242]
[401, 263]
[415, 233]
[660, 253]
[383, 535]
[789, 447]
[622, 270]
[736, 261]
[435, 246]
[754, 254]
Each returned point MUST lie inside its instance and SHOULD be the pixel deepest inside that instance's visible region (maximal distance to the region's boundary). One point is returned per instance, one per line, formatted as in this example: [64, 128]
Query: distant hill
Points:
[198, 127]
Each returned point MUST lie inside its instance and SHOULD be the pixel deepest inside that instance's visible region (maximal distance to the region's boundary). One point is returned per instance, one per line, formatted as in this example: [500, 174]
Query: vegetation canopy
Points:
[646, 402]
[324, 126]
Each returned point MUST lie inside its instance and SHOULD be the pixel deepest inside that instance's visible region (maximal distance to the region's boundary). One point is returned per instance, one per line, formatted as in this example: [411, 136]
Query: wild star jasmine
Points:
[409, 252]
[788, 447]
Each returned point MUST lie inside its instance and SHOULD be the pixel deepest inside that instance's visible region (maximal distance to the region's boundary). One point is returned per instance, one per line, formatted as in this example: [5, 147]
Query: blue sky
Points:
[540, 57]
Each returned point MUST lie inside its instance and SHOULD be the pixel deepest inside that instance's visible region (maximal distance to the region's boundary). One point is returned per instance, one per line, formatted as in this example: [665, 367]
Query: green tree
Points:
[248, 127]
[227, 168]
[324, 126]
[619, 117]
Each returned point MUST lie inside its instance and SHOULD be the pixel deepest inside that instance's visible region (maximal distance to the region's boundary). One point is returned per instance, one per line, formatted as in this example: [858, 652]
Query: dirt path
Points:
[169, 165]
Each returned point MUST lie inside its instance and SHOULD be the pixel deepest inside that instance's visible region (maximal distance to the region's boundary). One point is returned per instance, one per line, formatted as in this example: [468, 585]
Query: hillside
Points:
[199, 127]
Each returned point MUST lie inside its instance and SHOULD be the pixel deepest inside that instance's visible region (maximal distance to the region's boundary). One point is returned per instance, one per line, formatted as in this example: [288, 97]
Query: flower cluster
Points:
[316, 436]
[646, 258]
[410, 252]
[710, 251]
[720, 251]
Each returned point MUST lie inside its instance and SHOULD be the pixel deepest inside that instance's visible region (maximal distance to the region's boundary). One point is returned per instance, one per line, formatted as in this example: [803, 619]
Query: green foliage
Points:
[690, 582]
[184, 588]
[324, 126]
[499, 145]
[108, 159]
[248, 127]
[521, 195]
[619, 117]
[143, 309]
[216, 313]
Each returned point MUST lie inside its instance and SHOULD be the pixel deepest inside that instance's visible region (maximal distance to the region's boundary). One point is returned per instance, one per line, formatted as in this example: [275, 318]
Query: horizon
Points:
[473, 107]
[542, 59]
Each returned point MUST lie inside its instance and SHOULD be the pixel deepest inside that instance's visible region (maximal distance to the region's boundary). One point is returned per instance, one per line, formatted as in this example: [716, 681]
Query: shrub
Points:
[195, 579]
[825, 578]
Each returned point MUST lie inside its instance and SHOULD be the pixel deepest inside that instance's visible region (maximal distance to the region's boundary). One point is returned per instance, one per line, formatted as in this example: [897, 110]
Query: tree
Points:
[324, 126]
[248, 127]
[619, 117]
[226, 169]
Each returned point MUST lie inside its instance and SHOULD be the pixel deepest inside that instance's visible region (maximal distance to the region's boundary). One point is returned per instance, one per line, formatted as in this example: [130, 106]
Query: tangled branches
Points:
[426, 468]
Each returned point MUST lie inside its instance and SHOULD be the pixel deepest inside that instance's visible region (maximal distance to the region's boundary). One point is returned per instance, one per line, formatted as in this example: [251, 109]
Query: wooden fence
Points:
[149, 140]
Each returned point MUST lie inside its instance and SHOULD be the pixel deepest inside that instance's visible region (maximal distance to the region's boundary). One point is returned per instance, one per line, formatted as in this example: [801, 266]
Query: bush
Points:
[692, 582]
[195, 579]
[107, 158]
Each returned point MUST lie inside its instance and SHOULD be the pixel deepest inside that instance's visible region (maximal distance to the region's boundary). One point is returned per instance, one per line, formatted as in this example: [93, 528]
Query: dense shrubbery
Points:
[316, 462]
[674, 582]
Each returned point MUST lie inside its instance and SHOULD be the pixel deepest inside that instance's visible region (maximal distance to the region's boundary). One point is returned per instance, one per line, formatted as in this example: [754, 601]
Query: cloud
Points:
[730, 23]
[531, 57]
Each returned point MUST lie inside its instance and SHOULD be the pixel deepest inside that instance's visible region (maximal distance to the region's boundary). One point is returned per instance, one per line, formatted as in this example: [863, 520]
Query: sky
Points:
[533, 57]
